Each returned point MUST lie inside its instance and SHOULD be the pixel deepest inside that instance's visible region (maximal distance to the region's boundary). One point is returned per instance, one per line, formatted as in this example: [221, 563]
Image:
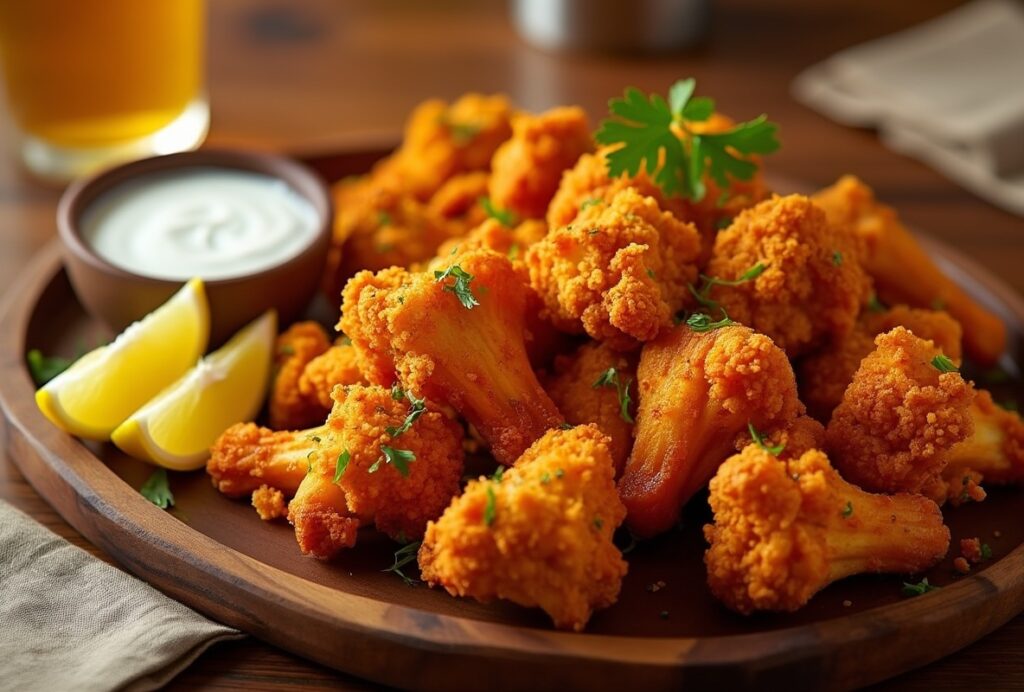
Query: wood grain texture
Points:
[306, 74]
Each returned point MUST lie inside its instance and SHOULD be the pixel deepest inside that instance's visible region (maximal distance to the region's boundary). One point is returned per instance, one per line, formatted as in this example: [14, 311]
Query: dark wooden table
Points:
[310, 75]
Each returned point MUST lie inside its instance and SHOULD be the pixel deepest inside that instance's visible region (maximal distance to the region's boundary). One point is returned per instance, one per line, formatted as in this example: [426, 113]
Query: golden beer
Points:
[101, 74]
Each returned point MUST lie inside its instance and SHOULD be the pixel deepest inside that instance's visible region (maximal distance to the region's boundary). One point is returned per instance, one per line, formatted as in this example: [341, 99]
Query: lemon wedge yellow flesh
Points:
[108, 384]
[175, 430]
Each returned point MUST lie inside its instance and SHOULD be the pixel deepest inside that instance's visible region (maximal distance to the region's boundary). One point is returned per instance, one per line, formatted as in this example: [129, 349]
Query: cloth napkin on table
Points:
[69, 621]
[949, 92]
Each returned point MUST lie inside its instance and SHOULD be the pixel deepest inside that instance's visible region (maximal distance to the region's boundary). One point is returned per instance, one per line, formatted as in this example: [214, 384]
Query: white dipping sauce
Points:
[215, 223]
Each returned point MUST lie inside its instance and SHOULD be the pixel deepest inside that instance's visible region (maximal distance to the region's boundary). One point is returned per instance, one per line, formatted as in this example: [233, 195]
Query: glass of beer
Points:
[94, 82]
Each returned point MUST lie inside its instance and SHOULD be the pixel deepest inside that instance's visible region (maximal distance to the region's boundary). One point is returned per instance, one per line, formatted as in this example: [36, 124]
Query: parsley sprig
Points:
[403, 556]
[658, 136]
[341, 465]
[157, 490]
[460, 287]
[399, 458]
[918, 589]
[758, 439]
[943, 364]
[45, 368]
[611, 378]
[416, 409]
[700, 322]
[505, 217]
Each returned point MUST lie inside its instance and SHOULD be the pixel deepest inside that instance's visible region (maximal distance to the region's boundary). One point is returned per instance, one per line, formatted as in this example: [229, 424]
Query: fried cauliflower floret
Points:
[825, 374]
[526, 169]
[580, 387]
[247, 456]
[540, 535]
[269, 503]
[492, 235]
[899, 418]
[319, 513]
[618, 272]
[457, 203]
[800, 435]
[902, 270]
[812, 286]
[289, 409]
[994, 453]
[784, 530]
[698, 391]
[337, 365]
[415, 327]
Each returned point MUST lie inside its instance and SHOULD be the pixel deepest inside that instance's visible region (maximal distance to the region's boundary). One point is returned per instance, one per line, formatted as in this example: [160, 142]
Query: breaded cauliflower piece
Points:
[337, 365]
[993, 454]
[903, 271]
[583, 390]
[899, 418]
[825, 374]
[526, 169]
[812, 286]
[698, 392]
[799, 435]
[289, 409]
[425, 330]
[247, 456]
[618, 272]
[457, 203]
[785, 529]
[540, 535]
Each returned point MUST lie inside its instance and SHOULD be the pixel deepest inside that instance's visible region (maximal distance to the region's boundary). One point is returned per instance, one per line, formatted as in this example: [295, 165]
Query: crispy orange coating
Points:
[825, 374]
[247, 456]
[698, 392]
[539, 536]
[269, 503]
[572, 387]
[903, 271]
[413, 327]
[319, 513]
[526, 169]
[812, 286]
[492, 235]
[994, 453]
[337, 365]
[294, 349]
[457, 203]
[785, 529]
[799, 435]
[619, 271]
[899, 418]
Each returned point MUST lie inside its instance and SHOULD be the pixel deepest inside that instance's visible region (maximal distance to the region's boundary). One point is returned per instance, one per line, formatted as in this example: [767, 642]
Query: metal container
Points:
[623, 26]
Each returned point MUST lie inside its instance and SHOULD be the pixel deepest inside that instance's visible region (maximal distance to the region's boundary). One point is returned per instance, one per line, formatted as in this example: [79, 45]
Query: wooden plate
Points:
[215, 555]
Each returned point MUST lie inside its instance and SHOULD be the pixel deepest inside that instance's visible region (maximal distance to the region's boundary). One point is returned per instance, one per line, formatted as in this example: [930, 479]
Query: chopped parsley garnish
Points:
[875, 305]
[699, 322]
[416, 409]
[498, 474]
[462, 133]
[157, 490]
[837, 258]
[986, 551]
[491, 508]
[399, 458]
[504, 216]
[759, 441]
[45, 368]
[848, 510]
[282, 350]
[588, 203]
[341, 465]
[545, 478]
[461, 285]
[565, 426]
[403, 556]
[610, 378]
[918, 589]
[944, 364]
[655, 135]
[384, 219]
[598, 523]
[309, 461]
[513, 251]
[397, 393]
[703, 294]
[559, 473]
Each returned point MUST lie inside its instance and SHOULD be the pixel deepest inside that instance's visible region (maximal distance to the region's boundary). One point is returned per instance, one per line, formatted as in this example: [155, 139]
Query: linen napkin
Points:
[69, 621]
[949, 92]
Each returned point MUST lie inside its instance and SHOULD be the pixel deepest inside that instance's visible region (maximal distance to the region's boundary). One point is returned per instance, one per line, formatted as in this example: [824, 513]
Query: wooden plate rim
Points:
[197, 570]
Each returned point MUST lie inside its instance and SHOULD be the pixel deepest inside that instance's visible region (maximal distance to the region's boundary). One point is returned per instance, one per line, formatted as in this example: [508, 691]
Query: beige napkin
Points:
[69, 621]
[949, 92]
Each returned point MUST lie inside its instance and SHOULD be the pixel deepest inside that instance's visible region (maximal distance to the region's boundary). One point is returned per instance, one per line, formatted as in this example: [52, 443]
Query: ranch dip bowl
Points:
[255, 227]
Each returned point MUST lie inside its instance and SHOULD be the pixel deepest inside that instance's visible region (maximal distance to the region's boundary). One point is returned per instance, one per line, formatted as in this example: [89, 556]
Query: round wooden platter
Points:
[666, 631]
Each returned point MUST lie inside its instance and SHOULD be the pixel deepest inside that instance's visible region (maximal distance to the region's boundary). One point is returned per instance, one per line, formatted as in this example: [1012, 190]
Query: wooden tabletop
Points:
[311, 75]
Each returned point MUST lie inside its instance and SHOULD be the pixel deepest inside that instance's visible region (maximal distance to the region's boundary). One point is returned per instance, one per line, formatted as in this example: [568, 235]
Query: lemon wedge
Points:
[175, 430]
[108, 384]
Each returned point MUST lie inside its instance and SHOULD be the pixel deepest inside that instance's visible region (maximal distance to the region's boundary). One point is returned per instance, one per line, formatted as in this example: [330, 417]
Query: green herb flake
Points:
[651, 274]
[417, 407]
[498, 474]
[699, 322]
[462, 133]
[491, 508]
[460, 287]
[403, 556]
[513, 251]
[399, 458]
[559, 473]
[610, 378]
[943, 364]
[875, 305]
[45, 368]
[341, 465]
[644, 128]
[598, 523]
[384, 218]
[837, 258]
[986, 551]
[918, 589]
[397, 393]
[588, 203]
[758, 439]
[157, 490]
[545, 478]
[565, 426]
[504, 216]
[848, 510]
